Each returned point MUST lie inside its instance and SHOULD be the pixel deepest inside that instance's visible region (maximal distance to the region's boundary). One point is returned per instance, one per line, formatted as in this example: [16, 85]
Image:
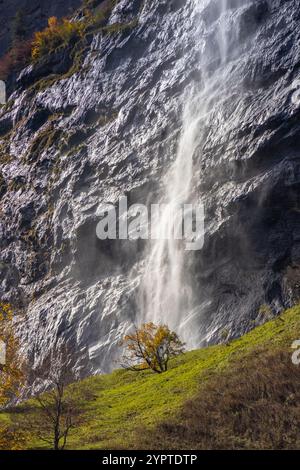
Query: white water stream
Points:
[166, 292]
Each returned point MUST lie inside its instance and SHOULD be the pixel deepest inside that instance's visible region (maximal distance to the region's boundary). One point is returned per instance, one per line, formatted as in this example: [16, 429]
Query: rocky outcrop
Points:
[72, 141]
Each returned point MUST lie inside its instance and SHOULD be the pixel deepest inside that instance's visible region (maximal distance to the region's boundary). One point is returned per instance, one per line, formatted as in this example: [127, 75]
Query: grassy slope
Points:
[125, 401]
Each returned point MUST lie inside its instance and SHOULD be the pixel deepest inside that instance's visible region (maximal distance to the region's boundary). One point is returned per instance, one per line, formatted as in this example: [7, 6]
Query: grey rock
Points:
[117, 123]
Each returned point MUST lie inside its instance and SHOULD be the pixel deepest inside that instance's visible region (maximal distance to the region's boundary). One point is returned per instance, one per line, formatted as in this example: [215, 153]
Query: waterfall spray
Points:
[166, 291]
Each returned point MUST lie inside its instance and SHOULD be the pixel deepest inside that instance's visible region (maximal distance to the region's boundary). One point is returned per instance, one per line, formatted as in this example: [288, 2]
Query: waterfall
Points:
[166, 291]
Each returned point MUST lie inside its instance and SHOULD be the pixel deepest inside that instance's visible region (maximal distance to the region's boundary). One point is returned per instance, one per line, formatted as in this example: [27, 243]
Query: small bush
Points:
[58, 33]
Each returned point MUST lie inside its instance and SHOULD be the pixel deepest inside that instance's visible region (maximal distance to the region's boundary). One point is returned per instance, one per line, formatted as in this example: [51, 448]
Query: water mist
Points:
[166, 292]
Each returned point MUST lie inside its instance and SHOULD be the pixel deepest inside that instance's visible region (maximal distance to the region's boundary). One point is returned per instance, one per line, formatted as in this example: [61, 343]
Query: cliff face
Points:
[35, 14]
[111, 126]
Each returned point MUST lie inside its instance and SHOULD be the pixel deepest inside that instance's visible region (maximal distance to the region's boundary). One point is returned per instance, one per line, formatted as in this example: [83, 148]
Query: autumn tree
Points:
[150, 347]
[12, 377]
[58, 33]
[11, 362]
[19, 52]
[12, 436]
[60, 409]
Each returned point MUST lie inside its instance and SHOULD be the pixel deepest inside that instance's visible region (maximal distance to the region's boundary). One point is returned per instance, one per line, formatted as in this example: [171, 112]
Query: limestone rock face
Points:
[112, 128]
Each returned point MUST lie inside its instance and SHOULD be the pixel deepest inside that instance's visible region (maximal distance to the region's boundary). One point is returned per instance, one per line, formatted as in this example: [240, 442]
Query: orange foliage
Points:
[150, 347]
[11, 371]
[58, 33]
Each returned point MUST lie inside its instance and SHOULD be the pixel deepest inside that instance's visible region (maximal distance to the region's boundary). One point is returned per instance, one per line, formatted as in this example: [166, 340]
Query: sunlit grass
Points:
[125, 401]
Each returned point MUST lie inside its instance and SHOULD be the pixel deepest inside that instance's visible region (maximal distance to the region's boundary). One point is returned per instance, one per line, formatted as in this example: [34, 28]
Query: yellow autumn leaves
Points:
[11, 371]
[58, 33]
[150, 347]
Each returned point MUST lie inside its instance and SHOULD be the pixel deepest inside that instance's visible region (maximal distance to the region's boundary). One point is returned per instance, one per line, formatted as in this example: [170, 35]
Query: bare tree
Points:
[59, 409]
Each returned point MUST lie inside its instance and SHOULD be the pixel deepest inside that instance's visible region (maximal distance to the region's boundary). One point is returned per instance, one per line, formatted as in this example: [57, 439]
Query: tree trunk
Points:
[56, 439]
